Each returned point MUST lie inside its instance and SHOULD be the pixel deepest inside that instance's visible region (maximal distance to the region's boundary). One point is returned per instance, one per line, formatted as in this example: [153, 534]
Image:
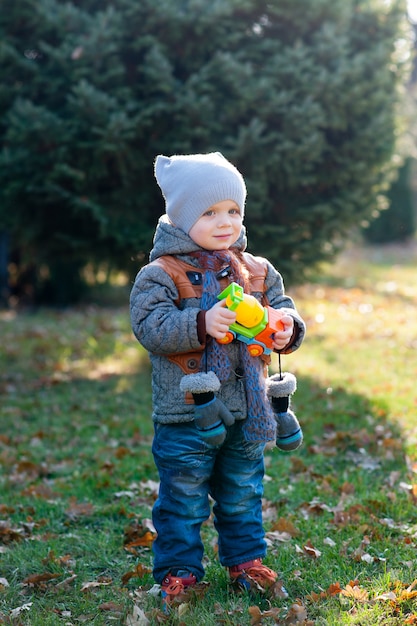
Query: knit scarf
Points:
[260, 424]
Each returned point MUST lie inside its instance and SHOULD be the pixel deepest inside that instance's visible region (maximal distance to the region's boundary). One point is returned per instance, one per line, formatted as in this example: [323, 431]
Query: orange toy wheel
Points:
[255, 349]
[228, 338]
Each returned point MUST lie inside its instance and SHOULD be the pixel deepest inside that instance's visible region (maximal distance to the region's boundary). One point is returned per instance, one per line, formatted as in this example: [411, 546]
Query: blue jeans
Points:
[190, 470]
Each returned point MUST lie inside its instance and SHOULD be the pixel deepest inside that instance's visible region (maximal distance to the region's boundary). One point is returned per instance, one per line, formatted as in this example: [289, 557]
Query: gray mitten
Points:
[210, 414]
[279, 388]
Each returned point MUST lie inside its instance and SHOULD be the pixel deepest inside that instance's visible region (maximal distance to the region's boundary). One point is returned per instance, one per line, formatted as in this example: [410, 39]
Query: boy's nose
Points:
[224, 220]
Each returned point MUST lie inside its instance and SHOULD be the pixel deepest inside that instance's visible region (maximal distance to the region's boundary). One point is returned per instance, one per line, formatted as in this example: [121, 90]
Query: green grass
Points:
[77, 480]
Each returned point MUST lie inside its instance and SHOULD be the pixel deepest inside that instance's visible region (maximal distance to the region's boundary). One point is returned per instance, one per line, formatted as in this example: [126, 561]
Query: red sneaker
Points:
[254, 576]
[174, 589]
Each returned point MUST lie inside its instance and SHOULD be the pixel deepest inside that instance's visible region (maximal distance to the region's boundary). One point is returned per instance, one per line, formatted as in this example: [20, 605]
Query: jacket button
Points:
[192, 364]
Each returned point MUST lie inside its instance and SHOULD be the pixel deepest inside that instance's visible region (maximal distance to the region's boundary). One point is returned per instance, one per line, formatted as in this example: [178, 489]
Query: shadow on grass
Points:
[346, 432]
[90, 440]
[347, 439]
[343, 432]
[348, 480]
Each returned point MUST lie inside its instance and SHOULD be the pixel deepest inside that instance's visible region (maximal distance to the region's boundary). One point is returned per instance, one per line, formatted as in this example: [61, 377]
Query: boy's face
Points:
[219, 227]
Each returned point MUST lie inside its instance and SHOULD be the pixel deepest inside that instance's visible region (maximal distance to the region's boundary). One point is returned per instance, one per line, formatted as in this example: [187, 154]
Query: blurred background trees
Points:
[398, 222]
[304, 97]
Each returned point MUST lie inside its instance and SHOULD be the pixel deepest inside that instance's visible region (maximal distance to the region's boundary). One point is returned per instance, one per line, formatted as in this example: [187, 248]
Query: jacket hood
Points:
[170, 239]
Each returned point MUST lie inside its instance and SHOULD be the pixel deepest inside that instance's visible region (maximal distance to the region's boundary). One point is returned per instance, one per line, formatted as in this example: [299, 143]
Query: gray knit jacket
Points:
[164, 328]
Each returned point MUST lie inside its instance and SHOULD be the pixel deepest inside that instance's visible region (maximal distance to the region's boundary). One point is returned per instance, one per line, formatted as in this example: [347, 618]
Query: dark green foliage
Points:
[301, 96]
[398, 221]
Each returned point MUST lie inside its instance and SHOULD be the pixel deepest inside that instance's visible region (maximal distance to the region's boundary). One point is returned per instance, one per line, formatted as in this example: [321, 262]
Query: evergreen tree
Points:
[398, 221]
[302, 96]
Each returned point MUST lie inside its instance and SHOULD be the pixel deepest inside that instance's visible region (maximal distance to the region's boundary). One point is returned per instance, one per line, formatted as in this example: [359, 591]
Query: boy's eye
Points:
[234, 211]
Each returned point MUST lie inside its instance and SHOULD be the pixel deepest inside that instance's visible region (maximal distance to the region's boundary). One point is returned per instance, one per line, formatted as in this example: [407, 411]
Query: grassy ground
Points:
[77, 481]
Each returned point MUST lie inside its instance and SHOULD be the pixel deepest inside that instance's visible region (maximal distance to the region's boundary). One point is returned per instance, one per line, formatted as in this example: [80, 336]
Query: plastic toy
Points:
[255, 324]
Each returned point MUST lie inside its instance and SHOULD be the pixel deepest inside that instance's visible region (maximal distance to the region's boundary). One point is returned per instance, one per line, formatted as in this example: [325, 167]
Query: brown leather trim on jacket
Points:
[178, 269]
[189, 362]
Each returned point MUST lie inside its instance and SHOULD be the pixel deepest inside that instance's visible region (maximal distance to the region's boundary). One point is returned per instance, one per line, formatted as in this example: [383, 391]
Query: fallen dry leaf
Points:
[308, 550]
[66, 582]
[389, 595]
[138, 535]
[66, 560]
[150, 486]
[94, 584]
[275, 536]
[347, 488]
[25, 471]
[257, 615]
[145, 541]
[404, 595]
[329, 542]
[5, 509]
[111, 606]
[62, 613]
[20, 609]
[182, 609]
[284, 525]
[79, 509]
[368, 558]
[355, 593]
[37, 579]
[349, 516]
[121, 452]
[137, 617]
[9, 534]
[139, 572]
[314, 507]
[333, 590]
[297, 615]
[360, 551]
[278, 590]
[42, 491]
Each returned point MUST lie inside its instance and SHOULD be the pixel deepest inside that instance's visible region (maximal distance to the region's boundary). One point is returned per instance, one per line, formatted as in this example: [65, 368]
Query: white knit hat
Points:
[191, 183]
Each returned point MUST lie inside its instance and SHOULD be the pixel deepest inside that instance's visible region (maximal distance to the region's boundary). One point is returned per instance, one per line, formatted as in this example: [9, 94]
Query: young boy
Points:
[211, 409]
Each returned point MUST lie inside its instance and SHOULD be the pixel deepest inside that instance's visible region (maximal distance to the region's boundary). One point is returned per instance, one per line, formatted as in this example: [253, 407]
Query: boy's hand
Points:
[283, 337]
[218, 320]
